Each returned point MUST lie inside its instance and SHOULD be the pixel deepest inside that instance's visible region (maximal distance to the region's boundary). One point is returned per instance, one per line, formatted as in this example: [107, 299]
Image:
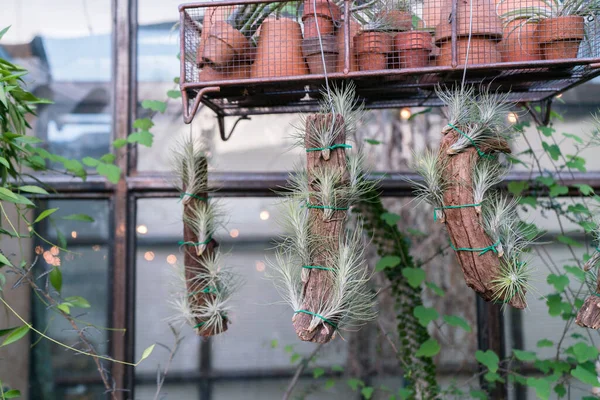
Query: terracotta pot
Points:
[354, 30]
[482, 51]
[279, 50]
[520, 42]
[399, 20]
[239, 70]
[485, 21]
[371, 49]
[432, 12]
[413, 48]
[560, 37]
[224, 44]
[311, 48]
[211, 16]
[327, 15]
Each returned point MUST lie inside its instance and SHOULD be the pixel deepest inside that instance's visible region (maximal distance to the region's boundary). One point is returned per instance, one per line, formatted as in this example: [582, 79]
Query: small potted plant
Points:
[519, 38]
[322, 13]
[560, 25]
[373, 43]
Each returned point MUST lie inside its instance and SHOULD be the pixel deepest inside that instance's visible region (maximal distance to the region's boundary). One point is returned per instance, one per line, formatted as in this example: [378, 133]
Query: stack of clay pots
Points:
[321, 19]
[559, 37]
[519, 38]
[475, 18]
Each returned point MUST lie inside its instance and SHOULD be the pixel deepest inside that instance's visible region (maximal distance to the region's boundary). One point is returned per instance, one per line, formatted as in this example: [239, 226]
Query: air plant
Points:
[188, 159]
[595, 258]
[487, 173]
[247, 18]
[552, 9]
[204, 219]
[512, 281]
[430, 166]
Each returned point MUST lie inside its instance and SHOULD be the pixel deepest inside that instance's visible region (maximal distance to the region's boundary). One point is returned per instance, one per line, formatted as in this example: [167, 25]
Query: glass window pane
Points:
[67, 47]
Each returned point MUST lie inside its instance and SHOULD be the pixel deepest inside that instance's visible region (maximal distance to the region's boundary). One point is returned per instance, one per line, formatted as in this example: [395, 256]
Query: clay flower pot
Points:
[211, 16]
[354, 30]
[372, 48]
[486, 31]
[413, 48]
[327, 15]
[560, 37]
[240, 71]
[279, 50]
[398, 20]
[224, 44]
[520, 42]
[311, 48]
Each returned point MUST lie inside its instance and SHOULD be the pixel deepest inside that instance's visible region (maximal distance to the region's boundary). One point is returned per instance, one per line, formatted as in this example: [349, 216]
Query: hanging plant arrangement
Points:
[320, 269]
[203, 286]
[485, 230]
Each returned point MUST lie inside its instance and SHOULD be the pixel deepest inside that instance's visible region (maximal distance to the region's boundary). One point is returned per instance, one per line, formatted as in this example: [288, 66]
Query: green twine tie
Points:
[596, 294]
[451, 207]
[482, 251]
[481, 153]
[199, 325]
[308, 205]
[182, 243]
[318, 316]
[332, 147]
[208, 289]
[317, 267]
[182, 195]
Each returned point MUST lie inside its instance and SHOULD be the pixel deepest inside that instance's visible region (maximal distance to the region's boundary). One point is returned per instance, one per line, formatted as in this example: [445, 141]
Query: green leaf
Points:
[144, 138]
[4, 260]
[75, 167]
[110, 171]
[78, 301]
[429, 348]
[415, 276]
[556, 306]
[155, 105]
[585, 190]
[4, 332]
[387, 262]
[541, 386]
[60, 237]
[587, 226]
[329, 383]
[574, 137]
[64, 307]
[454, 320]
[118, 143]
[529, 201]
[425, 314]
[425, 111]
[318, 372]
[568, 241]
[560, 282]
[11, 394]
[372, 141]
[367, 392]
[546, 130]
[143, 124]
[390, 218]
[478, 394]
[546, 180]
[517, 187]
[56, 279]
[3, 31]
[560, 390]
[337, 368]
[576, 272]
[90, 162]
[552, 149]
[557, 190]
[79, 217]
[585, 376]
[294, 357]
[288, 348]
[545, 343]
[577, 163]
[405, 393]
[147, 352]
[7, 195]
[108, 158]
[274, 343]
[45, 214]
[524, 355]
[15, 335]
[493, 377]
[32, 189]
[174, 94]
[435, 289]
[488, 358]
[355, 383]
[4, 162]
[583, 352]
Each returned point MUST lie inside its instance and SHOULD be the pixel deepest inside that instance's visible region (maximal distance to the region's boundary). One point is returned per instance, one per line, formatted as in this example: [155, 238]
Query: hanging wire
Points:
[323, 61]
[464, 78]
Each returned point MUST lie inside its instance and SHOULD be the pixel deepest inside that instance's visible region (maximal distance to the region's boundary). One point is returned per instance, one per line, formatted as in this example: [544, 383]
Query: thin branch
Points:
[301, 367]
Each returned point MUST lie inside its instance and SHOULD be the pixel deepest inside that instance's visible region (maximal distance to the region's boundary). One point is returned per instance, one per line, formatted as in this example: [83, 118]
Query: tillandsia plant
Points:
[552, 9]
[484, 227]
[588, 315]
[203, 286]
[320, 269]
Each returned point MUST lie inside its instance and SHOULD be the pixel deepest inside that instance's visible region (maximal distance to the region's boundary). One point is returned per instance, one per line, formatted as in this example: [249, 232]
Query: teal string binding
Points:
[482, 251]
[318, 316]
[317, 267]
[332, 147]
[450, 207]
[207, 289]
[182, 243]
[308, 205]
[182, 195]
[199, 325]
[481, 153]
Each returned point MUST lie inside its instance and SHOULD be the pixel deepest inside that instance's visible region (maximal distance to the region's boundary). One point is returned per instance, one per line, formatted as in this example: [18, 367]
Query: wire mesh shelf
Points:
[247, 57]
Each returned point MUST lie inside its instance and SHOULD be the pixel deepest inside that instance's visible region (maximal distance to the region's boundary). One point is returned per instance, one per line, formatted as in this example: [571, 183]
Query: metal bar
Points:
[454, 40]
[347, 38]
[122, 345]
[490, 336]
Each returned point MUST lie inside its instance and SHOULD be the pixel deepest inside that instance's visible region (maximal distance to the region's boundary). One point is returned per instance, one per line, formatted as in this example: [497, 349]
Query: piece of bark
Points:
[464, 224]
[588, 315]
[317, 283]
[194, 263]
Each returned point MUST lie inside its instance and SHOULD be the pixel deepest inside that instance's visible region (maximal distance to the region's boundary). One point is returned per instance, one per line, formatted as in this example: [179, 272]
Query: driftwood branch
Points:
[464, 224]
[194, 262]
[317, 283]
[589, 314]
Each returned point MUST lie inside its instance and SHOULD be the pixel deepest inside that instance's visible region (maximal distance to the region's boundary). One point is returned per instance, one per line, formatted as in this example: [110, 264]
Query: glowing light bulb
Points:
[74, 234]
[149, 256]
[405, 114]
[142, 229]
[260, 266]
[264, 215]
[512, 117]
[234, 233]
[171, 259]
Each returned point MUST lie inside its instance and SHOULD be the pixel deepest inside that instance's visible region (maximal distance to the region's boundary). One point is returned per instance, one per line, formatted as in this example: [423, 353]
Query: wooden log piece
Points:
[464, 224]
[317, 283]
[588, 315]
[194, 263]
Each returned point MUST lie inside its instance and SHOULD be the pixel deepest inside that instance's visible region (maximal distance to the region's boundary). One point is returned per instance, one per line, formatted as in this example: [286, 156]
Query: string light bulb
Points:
[405, 114]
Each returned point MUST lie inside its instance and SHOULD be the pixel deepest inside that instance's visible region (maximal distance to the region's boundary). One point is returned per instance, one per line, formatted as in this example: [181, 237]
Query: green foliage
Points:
[488, 358]
[454, 320]
[425, 314]
[387, 262]
[429, 348]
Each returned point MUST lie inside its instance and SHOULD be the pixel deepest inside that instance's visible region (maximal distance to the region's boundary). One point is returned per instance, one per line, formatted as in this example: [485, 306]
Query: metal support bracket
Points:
[189, 114]
[221, 121]
[541, 117]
